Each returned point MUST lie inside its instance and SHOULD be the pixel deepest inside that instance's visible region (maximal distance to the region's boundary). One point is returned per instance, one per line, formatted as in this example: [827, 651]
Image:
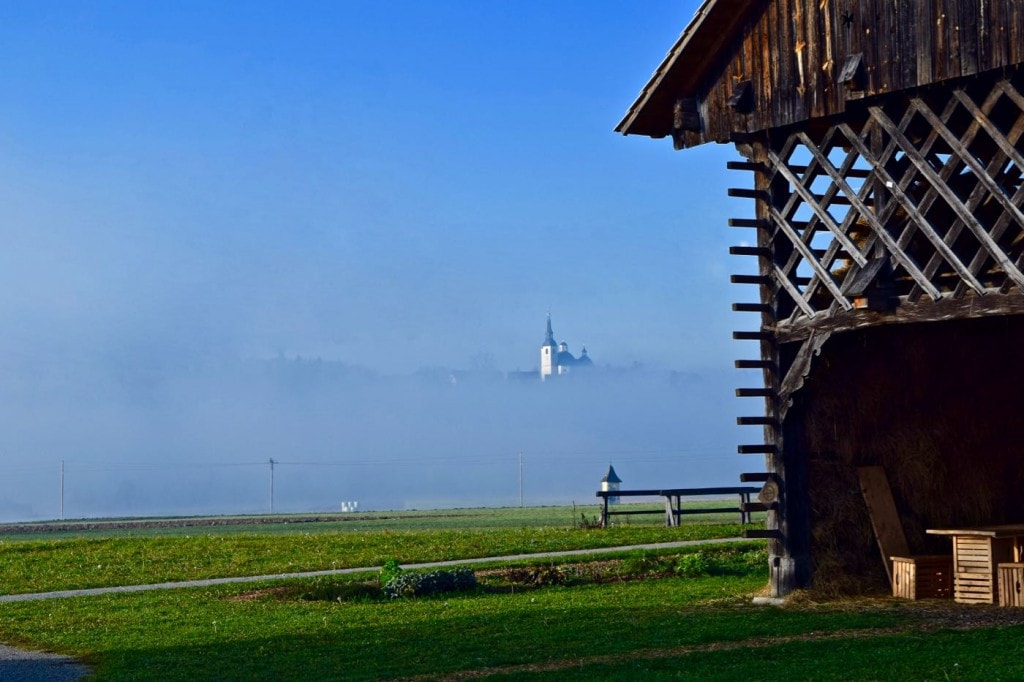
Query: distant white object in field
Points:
[349, 506]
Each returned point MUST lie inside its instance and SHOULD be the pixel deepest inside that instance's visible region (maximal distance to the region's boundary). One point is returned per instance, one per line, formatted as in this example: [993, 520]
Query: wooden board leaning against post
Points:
[885, 521]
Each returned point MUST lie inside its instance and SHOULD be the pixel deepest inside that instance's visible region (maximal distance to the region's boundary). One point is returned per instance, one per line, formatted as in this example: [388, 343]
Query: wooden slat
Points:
[759, 251]
[745, 222]
[912, 269]
[962, 211]
[783, 280]
[745, 193]
[754, 364]
[745, 166]
[755, 393]
[758, 449]
[762, 308]
[756, 421]
[753, 336]
[750, 279]
[973, 200]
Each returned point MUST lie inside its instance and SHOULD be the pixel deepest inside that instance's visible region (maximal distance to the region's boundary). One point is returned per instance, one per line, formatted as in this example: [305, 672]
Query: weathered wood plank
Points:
[924, 46]
[874, 486]
[906, 34]
[969, 29]
[971, 306]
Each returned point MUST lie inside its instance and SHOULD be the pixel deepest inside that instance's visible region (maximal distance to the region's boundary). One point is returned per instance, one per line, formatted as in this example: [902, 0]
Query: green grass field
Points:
[680, 614]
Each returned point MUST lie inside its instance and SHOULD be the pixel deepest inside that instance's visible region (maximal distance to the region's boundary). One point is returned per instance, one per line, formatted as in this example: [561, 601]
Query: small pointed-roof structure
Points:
[611, 476]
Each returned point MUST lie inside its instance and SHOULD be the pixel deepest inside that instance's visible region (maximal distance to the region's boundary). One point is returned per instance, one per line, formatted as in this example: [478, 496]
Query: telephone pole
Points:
[271, 485]
[520, 479]
[62, 490]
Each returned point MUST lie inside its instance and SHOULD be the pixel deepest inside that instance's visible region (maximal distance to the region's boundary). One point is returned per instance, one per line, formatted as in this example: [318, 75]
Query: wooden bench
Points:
[673, 502]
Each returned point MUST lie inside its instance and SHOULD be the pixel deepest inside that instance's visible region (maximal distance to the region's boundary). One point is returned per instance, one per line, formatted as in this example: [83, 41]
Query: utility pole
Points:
[271, 485]
[62, 490]
[520, 479]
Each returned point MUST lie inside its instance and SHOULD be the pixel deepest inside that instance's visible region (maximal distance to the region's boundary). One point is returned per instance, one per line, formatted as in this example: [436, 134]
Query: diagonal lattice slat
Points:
[972, 224]
[933, 183]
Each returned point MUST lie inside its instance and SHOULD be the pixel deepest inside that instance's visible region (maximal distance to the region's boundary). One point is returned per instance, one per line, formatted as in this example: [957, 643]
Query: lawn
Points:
[679, 614]
[103, 558]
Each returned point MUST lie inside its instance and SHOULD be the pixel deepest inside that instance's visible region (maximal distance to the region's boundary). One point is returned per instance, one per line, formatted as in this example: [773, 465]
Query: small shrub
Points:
[435, 582]
[389, 571]
[694, 565]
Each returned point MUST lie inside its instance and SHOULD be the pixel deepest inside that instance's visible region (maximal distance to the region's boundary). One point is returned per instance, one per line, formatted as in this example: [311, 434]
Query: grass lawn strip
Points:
[209, 634]
[694, 628]
[82, 563]
[942, 641]
[654, 547]
[604, 661]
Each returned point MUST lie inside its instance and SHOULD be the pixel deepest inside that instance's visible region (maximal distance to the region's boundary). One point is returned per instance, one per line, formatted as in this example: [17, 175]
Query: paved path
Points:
[18, 665]
[34, 596]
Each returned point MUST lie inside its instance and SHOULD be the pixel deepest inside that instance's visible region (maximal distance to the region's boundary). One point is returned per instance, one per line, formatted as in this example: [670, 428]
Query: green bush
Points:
[434, 582]
[389, 571]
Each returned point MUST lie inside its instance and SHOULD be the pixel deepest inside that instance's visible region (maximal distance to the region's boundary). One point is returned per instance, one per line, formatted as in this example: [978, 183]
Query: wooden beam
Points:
[759, 449]
[753, 336]
[971, 306]
[750, 279]
[755, 393]
[767, 534]
[763, 308]
[745, 166]
[757, 421]
[758, 251]
[754, 364]
[744, 193]
[746, 222]
[799, 370]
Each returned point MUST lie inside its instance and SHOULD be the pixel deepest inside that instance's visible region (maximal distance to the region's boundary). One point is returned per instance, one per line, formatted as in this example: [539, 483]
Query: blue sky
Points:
[397, 185]
[186, 187]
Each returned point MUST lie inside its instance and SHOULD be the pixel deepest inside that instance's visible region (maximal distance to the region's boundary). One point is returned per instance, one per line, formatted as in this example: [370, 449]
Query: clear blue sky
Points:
[396, 185]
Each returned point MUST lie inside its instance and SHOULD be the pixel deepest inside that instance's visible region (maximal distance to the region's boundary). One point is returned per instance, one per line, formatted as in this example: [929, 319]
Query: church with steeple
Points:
[556, 360]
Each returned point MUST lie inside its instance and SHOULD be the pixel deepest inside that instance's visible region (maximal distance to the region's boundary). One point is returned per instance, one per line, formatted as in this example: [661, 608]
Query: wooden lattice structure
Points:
[885, 141]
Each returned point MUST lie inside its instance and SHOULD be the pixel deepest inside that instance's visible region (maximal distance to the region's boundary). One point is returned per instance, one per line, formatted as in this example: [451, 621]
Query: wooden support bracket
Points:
[767, 534]
[759, 449]
[757, 421]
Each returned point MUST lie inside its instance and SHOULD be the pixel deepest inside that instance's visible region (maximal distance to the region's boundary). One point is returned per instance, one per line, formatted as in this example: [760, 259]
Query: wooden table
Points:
[977, 553]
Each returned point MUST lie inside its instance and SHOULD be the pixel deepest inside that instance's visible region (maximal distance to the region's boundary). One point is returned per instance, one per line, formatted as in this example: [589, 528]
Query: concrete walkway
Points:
[18, 665]
[35, 596]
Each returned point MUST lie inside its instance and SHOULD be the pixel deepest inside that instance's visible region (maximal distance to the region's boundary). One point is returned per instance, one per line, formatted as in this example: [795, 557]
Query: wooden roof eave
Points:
[685, 66]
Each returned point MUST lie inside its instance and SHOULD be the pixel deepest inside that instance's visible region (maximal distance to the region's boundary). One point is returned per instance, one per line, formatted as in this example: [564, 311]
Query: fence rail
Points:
[673, 502]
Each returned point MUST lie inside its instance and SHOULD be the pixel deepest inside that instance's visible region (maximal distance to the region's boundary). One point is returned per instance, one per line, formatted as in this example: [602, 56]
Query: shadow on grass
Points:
[277, 640]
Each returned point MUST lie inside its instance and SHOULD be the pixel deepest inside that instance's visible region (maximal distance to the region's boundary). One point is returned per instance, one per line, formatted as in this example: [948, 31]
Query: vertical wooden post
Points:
[789, 553]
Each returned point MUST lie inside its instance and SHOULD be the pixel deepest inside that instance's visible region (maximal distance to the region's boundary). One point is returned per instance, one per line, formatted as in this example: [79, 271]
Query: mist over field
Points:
[198, 198]
[198, 439]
